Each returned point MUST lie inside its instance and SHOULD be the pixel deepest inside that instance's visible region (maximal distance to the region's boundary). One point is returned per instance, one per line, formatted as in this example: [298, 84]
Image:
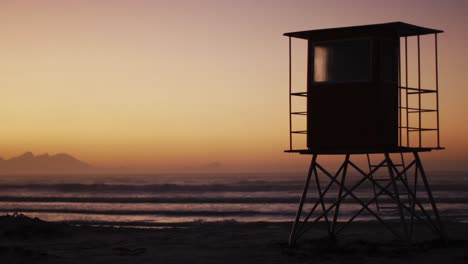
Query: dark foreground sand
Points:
[27, 240]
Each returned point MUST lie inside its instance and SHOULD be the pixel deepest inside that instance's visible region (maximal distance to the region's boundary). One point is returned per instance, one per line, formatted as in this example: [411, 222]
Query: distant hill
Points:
[28, 163]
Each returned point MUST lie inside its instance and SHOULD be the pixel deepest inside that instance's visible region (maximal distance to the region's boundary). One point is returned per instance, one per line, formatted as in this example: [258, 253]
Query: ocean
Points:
[168, 199]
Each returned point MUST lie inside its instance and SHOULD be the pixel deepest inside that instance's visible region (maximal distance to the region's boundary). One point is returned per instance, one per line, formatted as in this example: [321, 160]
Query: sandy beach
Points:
[29, 240]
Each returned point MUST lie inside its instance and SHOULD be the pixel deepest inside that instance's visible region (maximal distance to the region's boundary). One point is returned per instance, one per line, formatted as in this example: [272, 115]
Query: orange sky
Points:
[163, 85]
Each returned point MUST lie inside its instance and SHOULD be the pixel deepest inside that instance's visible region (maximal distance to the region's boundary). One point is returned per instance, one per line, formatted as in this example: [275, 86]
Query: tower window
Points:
[340, 61]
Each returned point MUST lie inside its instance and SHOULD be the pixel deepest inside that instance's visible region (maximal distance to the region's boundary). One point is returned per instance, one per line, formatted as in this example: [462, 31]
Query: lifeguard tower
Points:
[358, 101]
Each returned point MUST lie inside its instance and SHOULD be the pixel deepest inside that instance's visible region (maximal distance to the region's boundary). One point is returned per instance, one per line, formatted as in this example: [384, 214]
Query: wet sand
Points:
[27, 240]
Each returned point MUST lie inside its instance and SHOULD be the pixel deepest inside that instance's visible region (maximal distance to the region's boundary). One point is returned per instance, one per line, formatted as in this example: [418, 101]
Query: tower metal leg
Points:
[320, 200]
[292, 235]
[429, 194]
[391, 168]
[413, 200]
[340, 194]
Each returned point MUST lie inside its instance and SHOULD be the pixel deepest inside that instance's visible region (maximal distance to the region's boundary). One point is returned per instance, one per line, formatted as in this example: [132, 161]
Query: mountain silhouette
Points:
[28, 163]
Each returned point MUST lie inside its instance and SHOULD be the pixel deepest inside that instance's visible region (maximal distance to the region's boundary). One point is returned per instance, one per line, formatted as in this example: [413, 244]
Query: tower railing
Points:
[411, 109]
[302, 112]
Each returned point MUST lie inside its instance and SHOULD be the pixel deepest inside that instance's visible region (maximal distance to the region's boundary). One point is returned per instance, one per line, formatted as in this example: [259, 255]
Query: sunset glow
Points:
[171, 85]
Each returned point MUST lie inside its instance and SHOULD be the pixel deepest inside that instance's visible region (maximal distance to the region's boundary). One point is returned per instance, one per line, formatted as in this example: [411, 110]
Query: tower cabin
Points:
[358, 95]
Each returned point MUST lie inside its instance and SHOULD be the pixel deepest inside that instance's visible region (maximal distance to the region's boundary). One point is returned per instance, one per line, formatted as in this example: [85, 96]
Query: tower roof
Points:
[399, 28]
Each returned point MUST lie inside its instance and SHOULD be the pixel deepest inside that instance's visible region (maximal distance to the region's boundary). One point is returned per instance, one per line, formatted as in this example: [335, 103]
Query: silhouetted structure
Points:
[359, 101]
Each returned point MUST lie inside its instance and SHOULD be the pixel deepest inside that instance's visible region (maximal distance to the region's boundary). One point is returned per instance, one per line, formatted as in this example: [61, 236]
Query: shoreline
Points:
[31, 240]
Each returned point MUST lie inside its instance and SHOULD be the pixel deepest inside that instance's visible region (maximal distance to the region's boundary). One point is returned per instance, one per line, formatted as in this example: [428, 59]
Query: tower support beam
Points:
[392, 188]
